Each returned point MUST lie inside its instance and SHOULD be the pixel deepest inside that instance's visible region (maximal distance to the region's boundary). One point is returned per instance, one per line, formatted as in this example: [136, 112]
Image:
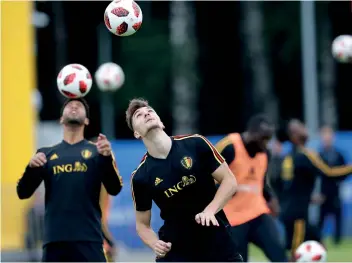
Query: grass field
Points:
[341, 253]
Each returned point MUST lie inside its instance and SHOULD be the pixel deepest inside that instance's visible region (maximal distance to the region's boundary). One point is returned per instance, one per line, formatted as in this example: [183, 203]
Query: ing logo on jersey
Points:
[187, 162]
[86, 154]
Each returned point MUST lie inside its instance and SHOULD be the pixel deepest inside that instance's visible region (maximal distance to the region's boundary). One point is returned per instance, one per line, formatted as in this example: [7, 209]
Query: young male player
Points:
[177, 173]
[73, 172]
[305, 166]
[248, 211]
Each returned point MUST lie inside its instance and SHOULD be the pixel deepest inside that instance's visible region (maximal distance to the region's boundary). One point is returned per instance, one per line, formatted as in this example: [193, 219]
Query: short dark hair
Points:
[134, 105]
[82, 100]
[255, 122]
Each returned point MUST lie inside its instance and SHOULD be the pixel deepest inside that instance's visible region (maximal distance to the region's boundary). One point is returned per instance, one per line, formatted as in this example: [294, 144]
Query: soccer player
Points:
[73, 172]
[177, 173]
[330, 187]
[305, 166]
[248, 211]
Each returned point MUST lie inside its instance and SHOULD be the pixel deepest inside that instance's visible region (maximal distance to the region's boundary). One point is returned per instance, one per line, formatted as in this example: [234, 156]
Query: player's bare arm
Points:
[148, 236]
[227, 189]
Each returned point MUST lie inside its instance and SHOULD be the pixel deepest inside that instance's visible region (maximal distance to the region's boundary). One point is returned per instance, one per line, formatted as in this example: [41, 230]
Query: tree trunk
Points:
[263, 96]
[184, 75]
[327, 76]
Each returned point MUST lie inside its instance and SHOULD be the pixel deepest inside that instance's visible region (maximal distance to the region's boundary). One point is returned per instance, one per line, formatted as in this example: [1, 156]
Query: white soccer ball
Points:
[311, 251]
[123, 17]
[109, 77]
[342, 48]
[74, 81]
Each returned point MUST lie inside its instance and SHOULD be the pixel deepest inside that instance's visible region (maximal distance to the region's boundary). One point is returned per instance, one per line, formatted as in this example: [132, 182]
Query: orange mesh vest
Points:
[248, 202]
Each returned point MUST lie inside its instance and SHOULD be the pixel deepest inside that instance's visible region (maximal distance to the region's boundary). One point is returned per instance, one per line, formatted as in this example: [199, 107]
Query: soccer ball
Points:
[310, 251]
[123, 17]
[342, 49]
[74, 81]
[109, 77]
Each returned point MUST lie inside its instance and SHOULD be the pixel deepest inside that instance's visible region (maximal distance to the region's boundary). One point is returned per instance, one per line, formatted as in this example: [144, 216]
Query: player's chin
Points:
[74, 121]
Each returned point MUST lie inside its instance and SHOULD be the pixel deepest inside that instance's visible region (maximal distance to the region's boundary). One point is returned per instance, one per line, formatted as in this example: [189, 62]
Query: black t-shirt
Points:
[181, 186]
[73, 176]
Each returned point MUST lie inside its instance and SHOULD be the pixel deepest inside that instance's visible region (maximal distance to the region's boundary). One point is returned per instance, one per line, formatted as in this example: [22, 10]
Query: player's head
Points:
[141, 118]
[75, 112]
[260, 130]
[327, 136]
[297, 132]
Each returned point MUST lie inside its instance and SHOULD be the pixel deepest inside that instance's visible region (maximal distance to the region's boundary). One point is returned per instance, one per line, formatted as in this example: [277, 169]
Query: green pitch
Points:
[341, 253]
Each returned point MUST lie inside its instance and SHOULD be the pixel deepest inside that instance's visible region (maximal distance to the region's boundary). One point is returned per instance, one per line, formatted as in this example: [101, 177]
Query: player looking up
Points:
[73, 172]
[177, 173]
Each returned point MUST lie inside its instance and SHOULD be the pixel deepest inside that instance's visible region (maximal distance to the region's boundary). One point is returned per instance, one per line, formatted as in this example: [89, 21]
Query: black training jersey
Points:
[73, 177]
[299, 171]
[180, 185]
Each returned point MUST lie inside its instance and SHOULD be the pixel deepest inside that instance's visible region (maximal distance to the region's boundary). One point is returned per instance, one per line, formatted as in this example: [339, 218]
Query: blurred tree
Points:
[145, 59]
[327, 73]
[257, 60]
[184, 67]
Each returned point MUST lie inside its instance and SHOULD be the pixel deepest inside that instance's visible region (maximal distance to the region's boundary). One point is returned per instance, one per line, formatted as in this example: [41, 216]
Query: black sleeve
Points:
[30, 180]
[210, 157]
[316, 165]
[226, 149]
[111, 178]
[228, 153]
[267, 191]
[141, 192]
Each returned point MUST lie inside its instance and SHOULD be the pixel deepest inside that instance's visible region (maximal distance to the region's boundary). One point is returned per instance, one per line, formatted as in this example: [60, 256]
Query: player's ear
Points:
[61, 120]
[86, 121]
[162, 125]
[136, 135]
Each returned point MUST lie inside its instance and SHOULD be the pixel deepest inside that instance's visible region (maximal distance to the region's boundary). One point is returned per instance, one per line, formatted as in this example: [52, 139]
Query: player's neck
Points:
[158, 143]
[73, 135]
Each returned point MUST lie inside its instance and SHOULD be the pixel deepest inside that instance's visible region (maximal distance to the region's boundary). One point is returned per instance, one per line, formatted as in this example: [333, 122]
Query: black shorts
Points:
[73, 252]
[208, 244]
[198, 256]
[299, 230]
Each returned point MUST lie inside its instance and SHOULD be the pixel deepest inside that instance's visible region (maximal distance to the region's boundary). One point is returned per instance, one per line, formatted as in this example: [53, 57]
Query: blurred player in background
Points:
[305, 166]
[177, 173]
[330, 187]
[73, 172]
[109, 243]
[248, 211]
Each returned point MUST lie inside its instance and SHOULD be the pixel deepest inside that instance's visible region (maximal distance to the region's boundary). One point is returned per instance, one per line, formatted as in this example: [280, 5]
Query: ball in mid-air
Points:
[310, 251]
[342, 48]
[74, 81]
[123, 17]
[109, 77]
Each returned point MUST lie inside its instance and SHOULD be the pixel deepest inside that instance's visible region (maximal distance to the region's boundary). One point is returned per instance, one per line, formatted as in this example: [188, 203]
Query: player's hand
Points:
[205, 218]
[103, 145]
[38, 160]
[274, 206]
[161, 248]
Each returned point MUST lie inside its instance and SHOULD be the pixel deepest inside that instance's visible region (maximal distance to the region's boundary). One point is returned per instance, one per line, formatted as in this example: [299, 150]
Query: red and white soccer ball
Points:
[109, 77]
[74, 81]
[311, 251]
[123, 17]
[342, 48]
